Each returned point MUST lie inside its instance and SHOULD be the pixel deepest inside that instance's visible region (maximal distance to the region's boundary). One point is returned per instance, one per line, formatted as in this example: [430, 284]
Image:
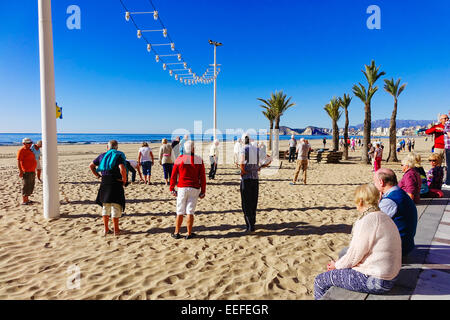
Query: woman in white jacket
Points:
[374, 257]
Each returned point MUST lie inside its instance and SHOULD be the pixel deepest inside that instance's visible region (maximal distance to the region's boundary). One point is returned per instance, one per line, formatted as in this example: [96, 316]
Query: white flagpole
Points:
[48, 112]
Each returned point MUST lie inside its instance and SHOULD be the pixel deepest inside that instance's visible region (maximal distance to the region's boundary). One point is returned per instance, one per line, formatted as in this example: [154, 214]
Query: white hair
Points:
[189, 147]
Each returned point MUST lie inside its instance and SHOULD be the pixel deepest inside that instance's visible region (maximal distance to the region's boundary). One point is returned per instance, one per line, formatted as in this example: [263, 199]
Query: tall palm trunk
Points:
[393, 135]
[270, 135]
[346, 135]
[276, 135]
[367, 130]
[335, 136]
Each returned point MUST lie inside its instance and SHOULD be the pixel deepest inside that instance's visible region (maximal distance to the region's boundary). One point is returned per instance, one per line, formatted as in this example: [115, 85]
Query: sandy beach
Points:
[299, 229]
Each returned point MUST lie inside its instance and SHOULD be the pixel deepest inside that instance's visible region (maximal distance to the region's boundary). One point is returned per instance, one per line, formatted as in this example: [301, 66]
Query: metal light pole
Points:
[48, 112]
[215, 44]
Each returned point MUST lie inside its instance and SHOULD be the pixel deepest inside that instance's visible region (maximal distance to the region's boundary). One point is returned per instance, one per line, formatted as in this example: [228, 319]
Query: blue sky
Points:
[106, 81]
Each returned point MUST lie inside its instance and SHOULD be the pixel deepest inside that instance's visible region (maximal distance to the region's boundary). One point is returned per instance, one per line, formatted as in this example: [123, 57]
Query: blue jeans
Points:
[147, 168]
[351, 280]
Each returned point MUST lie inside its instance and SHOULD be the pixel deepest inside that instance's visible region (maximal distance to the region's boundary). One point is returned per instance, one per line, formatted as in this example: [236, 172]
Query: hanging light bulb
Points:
[185, 65]
[127, 16]
[164, 66]
[176, 77]
[194, 75]
[157, 58]
[171, 72]
[155, 15]
[190, 70]
[149, 47]
[185, 81]
[179, 57]
[139, 34]
[181, 78]
[165, 33]
[172, 46]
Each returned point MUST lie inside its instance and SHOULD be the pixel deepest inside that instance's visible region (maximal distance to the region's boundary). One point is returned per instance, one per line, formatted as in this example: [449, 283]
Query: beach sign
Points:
[58, 112]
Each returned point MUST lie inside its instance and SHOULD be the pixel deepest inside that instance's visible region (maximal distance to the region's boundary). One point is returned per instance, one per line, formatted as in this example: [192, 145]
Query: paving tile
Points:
[446, 216]
[443, 232]
[432, 285]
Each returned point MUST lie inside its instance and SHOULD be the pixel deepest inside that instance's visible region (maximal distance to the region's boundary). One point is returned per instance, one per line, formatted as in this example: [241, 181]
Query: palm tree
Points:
[345, 103]
[277, 104]
[394, 89]
[372, 74]
[333, 110]
[269, 114]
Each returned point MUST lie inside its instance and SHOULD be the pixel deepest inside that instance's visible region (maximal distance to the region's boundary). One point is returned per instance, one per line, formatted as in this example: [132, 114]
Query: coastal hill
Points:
[383, 123]
[308, 131]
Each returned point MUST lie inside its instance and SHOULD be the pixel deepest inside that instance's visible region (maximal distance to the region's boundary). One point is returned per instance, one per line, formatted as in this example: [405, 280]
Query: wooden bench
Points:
[429, 212]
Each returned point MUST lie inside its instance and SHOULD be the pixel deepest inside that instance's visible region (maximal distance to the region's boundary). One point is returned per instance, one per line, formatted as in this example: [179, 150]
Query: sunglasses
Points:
[432, 160]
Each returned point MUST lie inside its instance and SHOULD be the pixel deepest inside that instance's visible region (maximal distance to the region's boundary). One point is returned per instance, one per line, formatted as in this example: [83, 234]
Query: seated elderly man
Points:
[398, 205]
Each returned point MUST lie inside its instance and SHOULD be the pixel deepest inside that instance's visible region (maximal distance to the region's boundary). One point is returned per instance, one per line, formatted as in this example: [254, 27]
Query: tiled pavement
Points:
[434, 280]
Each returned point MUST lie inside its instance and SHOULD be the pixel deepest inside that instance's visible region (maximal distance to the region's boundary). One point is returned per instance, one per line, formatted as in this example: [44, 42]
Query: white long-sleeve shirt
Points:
[375, 249]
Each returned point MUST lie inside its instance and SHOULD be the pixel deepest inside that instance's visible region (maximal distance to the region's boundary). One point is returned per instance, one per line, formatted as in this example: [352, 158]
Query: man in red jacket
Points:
[438, 132]
[26, 162]
[188, 174]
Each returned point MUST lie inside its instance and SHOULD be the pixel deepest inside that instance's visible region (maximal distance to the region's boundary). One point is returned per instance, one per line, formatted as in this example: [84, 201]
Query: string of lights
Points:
[173, 62]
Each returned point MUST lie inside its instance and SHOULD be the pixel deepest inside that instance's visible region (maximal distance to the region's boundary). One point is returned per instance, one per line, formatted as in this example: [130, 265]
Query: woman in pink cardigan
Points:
[374, 258]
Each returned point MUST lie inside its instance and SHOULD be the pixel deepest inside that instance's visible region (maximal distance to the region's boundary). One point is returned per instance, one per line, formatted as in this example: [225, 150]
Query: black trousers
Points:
[212, 172]
[249, 199]
[291, 154]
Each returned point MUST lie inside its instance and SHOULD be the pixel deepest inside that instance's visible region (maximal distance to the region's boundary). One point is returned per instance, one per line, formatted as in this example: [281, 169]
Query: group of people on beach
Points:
[184, 171]
[351, 142]
[382, 237]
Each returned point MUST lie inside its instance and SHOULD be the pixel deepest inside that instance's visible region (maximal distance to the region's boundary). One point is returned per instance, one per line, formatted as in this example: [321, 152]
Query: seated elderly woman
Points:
[411, 181]
[435, 177]
[374, 258]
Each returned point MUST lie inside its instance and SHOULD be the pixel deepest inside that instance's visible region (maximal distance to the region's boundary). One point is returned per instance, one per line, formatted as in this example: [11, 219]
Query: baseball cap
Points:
[26, 140]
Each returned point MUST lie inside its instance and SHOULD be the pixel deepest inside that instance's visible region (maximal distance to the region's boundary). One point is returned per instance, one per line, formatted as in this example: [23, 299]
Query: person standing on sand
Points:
[146, 160]
[26, 162]
[373, 260]
[249, 187]
[447, 152]
[182, 142]
[438, 132]
[324, 142]
[303, 150]
[237, 151]
[36, 148]
[166, 160]
[176, 147]
[188, 175]
[292, 148]
[213, 159]
[378, 156]
[111, 194]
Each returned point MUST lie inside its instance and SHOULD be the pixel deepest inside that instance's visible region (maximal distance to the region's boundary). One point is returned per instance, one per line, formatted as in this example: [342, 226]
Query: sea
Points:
[11, 139]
